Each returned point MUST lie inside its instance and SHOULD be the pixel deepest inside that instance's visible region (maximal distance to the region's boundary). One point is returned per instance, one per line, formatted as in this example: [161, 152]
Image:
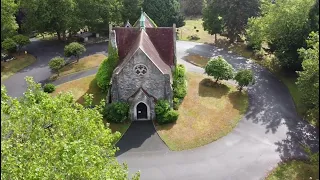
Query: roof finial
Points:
[142, 20]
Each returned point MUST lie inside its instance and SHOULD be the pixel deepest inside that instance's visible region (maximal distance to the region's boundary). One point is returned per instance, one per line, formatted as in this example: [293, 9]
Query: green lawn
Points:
[208, 112]
[11, 67]
[295, 170]
[89, 85]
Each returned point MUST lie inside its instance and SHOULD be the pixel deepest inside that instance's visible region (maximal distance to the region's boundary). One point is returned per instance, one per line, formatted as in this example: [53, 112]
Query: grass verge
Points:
[197, 60]
[88, 85]
[295, 170]
[85, 63]
[208, 112]
[11, 67]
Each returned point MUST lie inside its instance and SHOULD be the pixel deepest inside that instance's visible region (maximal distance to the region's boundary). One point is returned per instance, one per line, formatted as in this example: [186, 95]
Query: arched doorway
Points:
[142, 111]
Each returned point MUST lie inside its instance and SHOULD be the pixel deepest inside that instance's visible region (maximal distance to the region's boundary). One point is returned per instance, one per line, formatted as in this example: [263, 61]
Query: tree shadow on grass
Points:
[239, 101]
[208, 88]
[94, 89]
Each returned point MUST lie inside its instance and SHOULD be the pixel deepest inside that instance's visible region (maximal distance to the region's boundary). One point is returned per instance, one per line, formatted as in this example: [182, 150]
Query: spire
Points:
[142, 20]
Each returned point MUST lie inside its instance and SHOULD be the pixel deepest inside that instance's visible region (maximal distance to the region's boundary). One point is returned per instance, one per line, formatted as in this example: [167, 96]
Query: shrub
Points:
[21, 40]
[219, 68]
[244, 77]
[259, 54]
[9, 45]
[179, 85]
[106, 68]
[193, 37]
[49, 88]
[56, 64]
[74, 49]
[117, 112]
[164, 113]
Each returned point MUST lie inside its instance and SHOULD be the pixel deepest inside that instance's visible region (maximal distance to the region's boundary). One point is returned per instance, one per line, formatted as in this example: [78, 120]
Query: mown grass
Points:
[241, 49]
[85, 63]
[11, 67]
[89, 85]
[208, 112]
[295, 170]
[197, 60]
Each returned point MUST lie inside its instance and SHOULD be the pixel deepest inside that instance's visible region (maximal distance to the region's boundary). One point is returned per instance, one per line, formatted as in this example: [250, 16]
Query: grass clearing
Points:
[197, 60]
[89, 85]
[11, 67]
[208, 112]
[294, 170]
[85, 63]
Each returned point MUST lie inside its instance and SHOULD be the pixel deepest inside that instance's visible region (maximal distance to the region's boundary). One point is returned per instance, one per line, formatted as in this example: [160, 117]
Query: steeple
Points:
[142, 20]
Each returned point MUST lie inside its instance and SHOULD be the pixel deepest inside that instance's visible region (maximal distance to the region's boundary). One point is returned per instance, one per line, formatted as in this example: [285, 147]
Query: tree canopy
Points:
[244, 78]
[74, 49]
[308, 81]
[219, 68]
[8, 21]
[164, 13]
[234, 13]
[131, 10]
[45, 137]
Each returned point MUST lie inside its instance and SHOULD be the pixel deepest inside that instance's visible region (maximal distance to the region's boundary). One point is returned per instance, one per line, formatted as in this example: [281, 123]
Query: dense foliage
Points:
[191, 7]
[49, 88]
[74, 49]
[164, 13]
[219, 68]
[131, 10]
[9, 45]
[314, 16]
[308, 81]
[284, 26]
[244, 78]
[164, 113]
[106, 68]
[21, 40]
[234, 14]
[8, 20]
[117, 112]
[179, 85]
[56, 63]
[45, 137]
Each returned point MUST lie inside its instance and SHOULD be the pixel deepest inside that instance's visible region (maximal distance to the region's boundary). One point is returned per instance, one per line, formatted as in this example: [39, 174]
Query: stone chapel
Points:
[147, 57]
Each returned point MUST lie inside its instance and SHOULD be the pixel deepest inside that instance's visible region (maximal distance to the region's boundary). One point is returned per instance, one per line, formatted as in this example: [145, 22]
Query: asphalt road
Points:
[270, 131]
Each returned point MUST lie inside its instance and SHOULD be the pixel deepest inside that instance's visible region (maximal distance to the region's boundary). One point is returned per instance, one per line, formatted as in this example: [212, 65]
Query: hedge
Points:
[49, 88]
[116, 112]
[105, 71]
[179, 85]
[164, 113]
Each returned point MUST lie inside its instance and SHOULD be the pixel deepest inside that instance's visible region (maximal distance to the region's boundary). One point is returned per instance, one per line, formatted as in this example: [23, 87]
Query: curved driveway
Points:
[270, 131]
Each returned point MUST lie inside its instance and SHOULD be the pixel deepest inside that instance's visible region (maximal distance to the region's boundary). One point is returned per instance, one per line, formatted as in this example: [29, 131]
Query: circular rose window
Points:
[140, 69]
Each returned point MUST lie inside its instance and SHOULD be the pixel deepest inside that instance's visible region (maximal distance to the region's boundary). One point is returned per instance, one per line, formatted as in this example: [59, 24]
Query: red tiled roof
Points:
[145, 44]
[161, 38]
[147, 22]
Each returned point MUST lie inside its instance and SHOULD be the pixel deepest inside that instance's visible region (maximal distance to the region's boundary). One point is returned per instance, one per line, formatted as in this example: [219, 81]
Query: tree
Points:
[9, 45]
[308, 80]
[74, 49]
[131, 10]
[212, 21]
[45, 137]
[21, 40]
[234, 13]
[219, 68]
[244, 77]
[314, 16]
[8, 21]
[56, 64]
[284, 26]
[164, 13]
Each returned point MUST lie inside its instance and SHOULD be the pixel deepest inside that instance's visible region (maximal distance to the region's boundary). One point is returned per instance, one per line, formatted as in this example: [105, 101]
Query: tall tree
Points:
[235, 14]
[131, 10]
[314, 16]
[308, 81]
[192, 7]
[8, 20]
[284, 26]
[45, 137]
[212, 21]
[164, 13]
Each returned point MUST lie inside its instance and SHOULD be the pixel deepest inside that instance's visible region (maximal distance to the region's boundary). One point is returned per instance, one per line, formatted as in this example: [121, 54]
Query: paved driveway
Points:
[270, 131]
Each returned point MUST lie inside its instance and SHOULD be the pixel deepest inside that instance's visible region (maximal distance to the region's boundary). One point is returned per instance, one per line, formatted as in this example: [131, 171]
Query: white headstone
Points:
[85, 39]
[97, 35]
